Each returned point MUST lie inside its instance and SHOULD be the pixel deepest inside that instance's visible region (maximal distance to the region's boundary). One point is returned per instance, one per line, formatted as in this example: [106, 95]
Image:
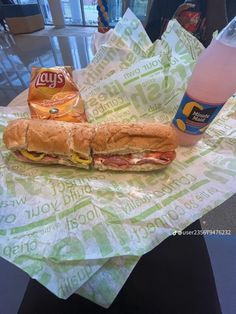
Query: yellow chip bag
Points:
[54, 95]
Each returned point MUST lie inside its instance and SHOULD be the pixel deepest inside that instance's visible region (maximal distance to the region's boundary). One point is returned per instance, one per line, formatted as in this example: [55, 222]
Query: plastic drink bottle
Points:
[213, 81]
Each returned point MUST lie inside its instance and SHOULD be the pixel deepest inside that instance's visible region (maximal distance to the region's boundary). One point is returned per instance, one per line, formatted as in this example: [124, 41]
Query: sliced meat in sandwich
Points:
[133, 147]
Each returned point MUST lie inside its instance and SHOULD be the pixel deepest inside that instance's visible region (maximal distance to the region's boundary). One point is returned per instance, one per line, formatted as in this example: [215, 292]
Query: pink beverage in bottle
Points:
[213, 81]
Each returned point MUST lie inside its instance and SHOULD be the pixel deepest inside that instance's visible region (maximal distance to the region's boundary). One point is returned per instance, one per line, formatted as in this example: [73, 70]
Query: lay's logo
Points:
[50, 80]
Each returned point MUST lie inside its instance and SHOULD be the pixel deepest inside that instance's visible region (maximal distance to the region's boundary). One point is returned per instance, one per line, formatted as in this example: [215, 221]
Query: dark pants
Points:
[160, 13]
[176, 277]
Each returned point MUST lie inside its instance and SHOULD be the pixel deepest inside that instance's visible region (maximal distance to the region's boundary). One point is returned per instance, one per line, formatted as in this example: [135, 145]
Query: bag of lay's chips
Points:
[54, 95]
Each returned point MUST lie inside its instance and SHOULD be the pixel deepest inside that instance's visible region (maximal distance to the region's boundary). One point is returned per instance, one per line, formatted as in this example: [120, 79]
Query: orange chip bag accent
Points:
[54, 95]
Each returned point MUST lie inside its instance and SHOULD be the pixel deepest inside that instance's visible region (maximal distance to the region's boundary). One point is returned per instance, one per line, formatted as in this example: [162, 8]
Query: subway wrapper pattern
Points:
[79, 231]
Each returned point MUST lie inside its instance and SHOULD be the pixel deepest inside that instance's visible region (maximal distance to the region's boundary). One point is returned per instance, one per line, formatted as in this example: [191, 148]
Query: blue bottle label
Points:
[193, 116]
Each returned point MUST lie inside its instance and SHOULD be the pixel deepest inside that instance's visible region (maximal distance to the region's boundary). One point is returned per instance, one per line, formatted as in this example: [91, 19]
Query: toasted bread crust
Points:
[120, 138]
[14, 136]
[81, 138]
[50, 137]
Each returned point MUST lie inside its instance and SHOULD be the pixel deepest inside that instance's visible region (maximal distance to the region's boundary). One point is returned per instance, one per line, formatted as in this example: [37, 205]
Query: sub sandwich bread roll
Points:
[14, 136]
[50, 142]
[109, 146]
[133, 147]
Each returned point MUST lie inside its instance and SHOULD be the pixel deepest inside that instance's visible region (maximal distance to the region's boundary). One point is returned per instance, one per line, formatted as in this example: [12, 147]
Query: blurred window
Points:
[84, 12]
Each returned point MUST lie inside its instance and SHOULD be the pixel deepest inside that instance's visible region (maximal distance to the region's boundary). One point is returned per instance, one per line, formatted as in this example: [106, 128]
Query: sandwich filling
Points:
[74, 158]
[115, 161]
[129, 160]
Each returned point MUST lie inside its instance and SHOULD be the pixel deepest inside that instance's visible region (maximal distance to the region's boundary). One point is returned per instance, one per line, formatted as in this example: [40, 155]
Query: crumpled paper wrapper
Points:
[79, 231]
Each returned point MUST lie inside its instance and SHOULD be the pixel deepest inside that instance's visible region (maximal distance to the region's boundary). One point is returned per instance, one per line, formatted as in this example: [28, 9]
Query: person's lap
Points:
[175, 277]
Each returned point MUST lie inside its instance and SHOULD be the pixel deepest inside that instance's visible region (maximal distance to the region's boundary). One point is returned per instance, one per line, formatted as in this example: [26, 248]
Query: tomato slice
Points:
[153, 155]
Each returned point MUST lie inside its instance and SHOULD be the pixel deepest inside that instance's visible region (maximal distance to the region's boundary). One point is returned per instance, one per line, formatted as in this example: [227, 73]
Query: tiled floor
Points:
[48, 47]
[72, 46]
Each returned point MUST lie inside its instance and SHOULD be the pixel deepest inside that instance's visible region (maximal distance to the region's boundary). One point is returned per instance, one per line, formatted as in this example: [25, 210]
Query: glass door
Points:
[84, 12]
[139, 7]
